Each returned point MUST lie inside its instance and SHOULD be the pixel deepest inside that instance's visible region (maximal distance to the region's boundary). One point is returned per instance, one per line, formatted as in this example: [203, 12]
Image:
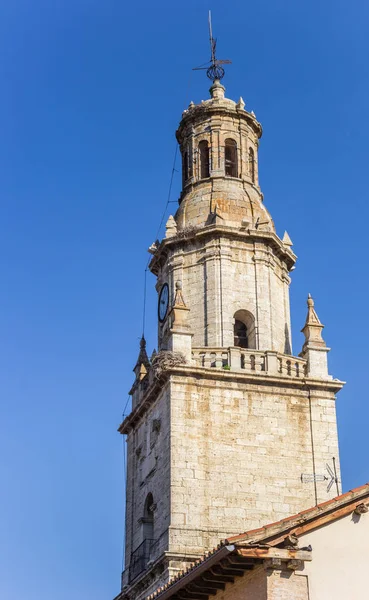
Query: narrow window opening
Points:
[230, 157]
[244, 329]
[148, 518]
[204, 159]
[141, 555]
[240, 334]
[252, 164]
[185, 167]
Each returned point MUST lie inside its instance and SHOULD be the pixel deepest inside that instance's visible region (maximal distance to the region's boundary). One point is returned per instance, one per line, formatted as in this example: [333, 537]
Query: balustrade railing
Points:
[139, 558]
[236, 359]
[249, 360]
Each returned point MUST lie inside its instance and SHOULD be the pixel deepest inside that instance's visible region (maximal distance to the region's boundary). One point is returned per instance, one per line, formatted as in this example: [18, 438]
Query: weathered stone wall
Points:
[222, 275]
[252, 586]
[215, 120]
[231, 447]
[286, 585]
[266, 584]
[238, 451]
[148, 471]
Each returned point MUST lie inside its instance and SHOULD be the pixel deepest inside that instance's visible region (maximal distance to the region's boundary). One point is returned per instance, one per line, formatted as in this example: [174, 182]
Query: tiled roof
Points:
[315, 512]
[271, 534]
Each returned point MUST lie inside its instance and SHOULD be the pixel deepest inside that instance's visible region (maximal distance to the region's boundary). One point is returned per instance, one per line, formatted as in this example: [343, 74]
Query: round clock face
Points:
[163, 302]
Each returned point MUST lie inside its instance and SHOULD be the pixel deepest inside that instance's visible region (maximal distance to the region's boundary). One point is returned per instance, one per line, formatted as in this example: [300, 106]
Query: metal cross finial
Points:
[215, 72]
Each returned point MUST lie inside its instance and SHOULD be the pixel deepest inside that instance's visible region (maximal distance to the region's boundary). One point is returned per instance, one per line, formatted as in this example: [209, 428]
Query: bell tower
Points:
[229, 430]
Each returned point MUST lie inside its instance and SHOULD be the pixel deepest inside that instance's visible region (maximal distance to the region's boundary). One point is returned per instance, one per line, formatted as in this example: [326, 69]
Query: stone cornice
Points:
[203, 373]
[200, 112]
[250, 235]
[191, 185]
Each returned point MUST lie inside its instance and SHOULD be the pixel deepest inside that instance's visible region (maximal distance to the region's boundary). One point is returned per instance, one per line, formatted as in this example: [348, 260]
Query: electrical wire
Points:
[156, 236]
[124, 496]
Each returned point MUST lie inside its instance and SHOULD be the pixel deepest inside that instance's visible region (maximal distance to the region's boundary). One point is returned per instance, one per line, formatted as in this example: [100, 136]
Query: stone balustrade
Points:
[233, 359]
[249, 360]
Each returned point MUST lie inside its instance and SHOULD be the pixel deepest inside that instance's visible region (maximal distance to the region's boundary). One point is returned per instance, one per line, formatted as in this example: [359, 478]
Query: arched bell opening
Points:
[230, 158]
[204, 166]
[184, 168]
[148, 519]
[252, 164]
[244, 329]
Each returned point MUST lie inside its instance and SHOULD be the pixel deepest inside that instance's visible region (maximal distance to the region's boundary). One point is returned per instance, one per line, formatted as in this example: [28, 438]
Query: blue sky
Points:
[91, 95]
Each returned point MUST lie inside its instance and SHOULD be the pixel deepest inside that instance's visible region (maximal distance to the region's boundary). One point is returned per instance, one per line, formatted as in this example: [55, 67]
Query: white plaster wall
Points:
[339, 569]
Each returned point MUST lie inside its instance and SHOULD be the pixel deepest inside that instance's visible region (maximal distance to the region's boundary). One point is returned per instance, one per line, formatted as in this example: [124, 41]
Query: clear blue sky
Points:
[91, 94]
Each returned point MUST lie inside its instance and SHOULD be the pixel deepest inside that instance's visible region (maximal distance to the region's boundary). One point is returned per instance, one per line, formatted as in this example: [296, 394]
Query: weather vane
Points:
[215, 71]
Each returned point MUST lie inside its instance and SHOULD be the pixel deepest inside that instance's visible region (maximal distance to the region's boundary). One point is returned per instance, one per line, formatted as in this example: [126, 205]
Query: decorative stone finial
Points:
[170, 227]
[180, 335]
[240, 104]
[314, 348]
[313, 327]
[287, 241]
[178, 298]
[153, 248]
[217, 90]
[143, 363]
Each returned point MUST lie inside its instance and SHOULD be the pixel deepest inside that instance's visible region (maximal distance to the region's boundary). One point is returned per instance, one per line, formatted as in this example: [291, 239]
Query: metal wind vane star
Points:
[215, 72]
[317, 477]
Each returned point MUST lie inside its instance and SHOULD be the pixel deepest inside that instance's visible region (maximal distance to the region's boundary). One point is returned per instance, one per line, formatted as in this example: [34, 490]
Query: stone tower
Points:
[229, 430]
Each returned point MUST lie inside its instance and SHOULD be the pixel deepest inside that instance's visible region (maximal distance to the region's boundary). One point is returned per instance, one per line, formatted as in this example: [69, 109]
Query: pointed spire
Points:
[180, 334]
[170, 227]
[287, 240]
[312, 329]
[143, 363]
[314, 349]
[240, 104]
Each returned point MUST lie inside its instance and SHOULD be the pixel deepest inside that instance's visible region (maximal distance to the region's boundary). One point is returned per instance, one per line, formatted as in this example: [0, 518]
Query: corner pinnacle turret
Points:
[314, 349]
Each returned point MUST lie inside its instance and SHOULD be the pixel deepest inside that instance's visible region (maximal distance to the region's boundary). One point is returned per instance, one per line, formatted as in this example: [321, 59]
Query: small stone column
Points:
[180, 336]
[272, 366]
[314, 349]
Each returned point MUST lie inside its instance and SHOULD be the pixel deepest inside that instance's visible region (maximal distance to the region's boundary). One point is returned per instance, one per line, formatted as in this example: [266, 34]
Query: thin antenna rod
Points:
[211, 40]
[215, 71]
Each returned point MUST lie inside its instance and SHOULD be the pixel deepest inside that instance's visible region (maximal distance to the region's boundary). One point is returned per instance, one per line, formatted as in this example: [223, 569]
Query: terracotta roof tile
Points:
[315, 512]
[351, 494]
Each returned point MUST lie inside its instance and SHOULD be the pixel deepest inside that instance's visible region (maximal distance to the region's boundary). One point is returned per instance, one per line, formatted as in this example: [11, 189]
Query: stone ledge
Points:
[204, 373]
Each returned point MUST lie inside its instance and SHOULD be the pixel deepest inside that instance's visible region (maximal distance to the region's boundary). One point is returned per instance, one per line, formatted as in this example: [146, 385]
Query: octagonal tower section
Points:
[221, 244]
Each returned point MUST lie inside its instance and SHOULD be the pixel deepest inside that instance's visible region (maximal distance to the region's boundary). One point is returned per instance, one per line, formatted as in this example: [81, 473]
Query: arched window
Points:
[185, 167]
[240, 334]
[244, 329]
[204, 159]
[148, 518]
[252, 164]
[230, 158]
